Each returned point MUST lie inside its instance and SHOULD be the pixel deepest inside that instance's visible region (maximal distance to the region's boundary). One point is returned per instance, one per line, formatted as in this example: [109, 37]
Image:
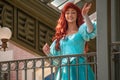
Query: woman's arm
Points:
[88, 22]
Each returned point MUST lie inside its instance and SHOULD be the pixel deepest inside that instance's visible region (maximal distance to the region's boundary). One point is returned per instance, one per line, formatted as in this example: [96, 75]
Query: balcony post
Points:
[103, 8]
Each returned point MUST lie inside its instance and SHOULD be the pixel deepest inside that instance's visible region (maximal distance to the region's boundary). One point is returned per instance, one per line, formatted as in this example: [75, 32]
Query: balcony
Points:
[45, 68]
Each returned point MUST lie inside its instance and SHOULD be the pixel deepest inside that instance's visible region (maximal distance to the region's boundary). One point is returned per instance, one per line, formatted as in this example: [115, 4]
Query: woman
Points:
[74, 28]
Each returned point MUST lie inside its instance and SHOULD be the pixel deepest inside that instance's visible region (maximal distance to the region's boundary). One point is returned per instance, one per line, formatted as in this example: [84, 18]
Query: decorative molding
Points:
[38, 10]
[30, 29]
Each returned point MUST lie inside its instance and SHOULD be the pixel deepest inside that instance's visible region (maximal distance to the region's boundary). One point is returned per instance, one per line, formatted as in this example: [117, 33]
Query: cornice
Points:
[38, 10]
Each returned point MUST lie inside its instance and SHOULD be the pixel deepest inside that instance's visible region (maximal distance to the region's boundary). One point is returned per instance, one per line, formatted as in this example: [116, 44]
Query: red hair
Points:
[62, 26]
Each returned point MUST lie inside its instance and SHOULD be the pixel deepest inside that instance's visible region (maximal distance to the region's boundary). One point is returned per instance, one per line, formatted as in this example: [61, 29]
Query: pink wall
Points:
[19, 54]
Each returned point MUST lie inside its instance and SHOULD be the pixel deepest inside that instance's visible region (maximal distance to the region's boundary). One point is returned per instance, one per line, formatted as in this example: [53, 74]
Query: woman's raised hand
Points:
[86, 9]
[46, 49]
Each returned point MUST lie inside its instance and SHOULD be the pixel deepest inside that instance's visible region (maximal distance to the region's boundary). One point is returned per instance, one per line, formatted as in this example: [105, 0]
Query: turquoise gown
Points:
[74, 44]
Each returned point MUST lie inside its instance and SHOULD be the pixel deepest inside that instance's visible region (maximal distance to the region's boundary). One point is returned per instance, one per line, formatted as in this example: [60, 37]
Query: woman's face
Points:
[71, 15]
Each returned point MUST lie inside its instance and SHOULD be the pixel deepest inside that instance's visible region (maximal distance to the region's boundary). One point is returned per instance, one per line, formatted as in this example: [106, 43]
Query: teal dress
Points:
[74, 44]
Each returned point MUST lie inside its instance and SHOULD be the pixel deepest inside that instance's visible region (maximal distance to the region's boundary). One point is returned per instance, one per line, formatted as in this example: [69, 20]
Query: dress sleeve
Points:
[83, 31]
[53, 51]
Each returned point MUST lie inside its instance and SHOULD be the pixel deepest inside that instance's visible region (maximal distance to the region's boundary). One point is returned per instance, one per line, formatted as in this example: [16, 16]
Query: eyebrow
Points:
[72, 10]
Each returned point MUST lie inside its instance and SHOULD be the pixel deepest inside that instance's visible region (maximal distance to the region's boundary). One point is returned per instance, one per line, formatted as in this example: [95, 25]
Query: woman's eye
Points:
[70, 12]
[73, 12]
[67, 13]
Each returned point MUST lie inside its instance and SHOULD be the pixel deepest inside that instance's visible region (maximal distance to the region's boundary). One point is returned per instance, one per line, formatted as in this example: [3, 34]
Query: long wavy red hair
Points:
[62, 26]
